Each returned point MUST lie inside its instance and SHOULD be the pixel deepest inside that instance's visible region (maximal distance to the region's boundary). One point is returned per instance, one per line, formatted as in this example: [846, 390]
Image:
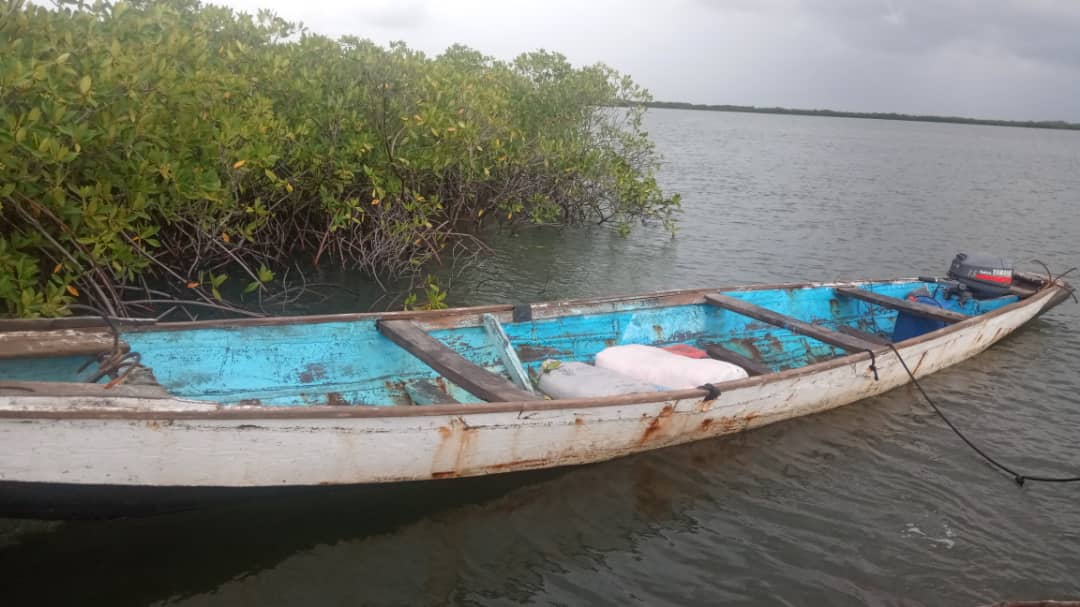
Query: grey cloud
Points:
[397, 15]
[990, 58]
[1039, 30]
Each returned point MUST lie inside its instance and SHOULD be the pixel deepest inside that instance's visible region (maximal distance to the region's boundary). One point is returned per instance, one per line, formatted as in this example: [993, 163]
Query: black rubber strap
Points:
[522, 313]
[713, 392]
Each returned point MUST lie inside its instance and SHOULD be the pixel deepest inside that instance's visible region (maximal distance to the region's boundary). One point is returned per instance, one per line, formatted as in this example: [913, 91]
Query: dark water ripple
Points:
[873, 504]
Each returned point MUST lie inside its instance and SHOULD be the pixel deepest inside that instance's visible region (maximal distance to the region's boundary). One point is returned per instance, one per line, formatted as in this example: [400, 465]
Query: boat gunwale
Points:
[1059, 288]
[433, 318]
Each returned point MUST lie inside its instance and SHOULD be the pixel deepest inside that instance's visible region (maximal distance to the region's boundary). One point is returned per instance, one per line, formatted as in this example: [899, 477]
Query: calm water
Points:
[874, 504]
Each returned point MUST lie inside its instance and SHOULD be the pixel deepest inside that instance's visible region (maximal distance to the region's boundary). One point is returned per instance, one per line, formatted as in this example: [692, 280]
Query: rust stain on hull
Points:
[730, 425]
[463, 450]
[510, 466]
[656, 424]
[518, 465]
[453, 451]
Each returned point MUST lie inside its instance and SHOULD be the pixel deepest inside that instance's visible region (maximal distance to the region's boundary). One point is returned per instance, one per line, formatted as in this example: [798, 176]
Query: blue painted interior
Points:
[351, 362]
[65, 368]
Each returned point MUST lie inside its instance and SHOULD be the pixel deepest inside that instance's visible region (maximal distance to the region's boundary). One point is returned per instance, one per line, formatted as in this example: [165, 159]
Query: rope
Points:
[116, 364]
[873, 362]
[1051, 279]
[1018, 477]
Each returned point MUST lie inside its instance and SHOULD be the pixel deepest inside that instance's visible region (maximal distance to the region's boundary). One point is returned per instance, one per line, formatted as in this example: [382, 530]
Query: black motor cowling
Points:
[984, 275]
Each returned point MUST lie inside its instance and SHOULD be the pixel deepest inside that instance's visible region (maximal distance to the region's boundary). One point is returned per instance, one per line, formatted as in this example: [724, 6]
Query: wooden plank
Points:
[863, 335]
[506, 352]
[478, 381]
[792, 324]
[66, 342]
[751, 366]
[1021, 291]
[82, 389]
[911, 307]
[68, 322]
[424, 392]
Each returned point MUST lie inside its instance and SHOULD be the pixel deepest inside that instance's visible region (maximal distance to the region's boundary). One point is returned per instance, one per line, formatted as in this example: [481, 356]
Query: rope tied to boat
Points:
[873, 363]
[1018, 477]
[116, 363]
[1052, 280]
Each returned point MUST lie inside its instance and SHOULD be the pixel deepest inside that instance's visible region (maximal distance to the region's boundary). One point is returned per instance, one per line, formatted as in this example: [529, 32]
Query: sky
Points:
[1012, 59]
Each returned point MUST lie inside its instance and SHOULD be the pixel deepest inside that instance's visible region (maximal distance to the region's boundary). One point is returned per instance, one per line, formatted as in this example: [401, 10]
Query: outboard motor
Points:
[986, 276]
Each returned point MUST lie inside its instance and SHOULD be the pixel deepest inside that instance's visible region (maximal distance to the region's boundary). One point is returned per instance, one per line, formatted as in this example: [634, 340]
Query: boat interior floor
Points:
[480, 357]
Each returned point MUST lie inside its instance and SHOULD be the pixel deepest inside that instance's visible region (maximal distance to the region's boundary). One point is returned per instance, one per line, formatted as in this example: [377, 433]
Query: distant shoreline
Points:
[1028, 124]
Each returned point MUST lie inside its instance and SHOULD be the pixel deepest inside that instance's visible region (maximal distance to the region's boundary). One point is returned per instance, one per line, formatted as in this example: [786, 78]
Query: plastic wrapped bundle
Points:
[657, 366]
[579, 380]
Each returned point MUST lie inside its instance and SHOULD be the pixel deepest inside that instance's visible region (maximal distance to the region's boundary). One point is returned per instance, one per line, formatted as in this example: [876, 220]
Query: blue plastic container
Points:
[908, 325]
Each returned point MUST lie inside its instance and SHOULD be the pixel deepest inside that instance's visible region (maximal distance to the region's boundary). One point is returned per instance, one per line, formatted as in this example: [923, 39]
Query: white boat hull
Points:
[155, 442]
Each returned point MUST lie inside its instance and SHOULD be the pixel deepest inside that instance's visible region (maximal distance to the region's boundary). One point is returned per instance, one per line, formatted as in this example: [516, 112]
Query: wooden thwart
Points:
[84, 389]
[66, 342]
[751, 366]
[911, 307]
[794, 325]
[451, 365]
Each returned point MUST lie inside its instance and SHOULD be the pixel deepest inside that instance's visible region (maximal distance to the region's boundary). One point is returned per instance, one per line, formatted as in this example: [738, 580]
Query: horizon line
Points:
[753, 109]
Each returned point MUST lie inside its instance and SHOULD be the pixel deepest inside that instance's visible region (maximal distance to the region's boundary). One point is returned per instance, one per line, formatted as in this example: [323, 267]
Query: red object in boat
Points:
[685, 350]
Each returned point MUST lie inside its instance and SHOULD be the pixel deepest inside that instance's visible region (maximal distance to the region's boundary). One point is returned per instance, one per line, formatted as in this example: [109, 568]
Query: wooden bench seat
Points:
[902, 305]
[64, 342]
[475, 379]
[833, 338]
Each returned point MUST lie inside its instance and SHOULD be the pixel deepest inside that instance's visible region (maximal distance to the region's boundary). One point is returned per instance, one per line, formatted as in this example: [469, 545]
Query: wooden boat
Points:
[409, 396]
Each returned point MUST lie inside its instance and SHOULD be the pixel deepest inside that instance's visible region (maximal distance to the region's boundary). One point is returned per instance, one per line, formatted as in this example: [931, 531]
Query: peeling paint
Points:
[750, 347]
[312, 373]
[774, 341]
[529, 353]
